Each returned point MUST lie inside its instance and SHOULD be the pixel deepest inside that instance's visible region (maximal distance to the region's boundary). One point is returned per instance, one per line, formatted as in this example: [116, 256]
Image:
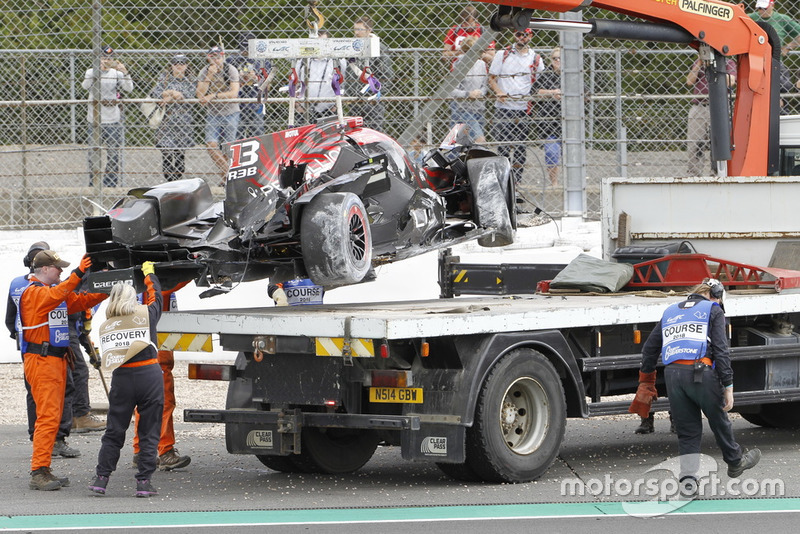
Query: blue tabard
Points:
[57, 322]
[684, 331]
[15, 290]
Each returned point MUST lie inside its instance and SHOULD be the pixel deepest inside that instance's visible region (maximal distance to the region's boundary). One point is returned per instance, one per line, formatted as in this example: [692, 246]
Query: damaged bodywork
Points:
[328, 201]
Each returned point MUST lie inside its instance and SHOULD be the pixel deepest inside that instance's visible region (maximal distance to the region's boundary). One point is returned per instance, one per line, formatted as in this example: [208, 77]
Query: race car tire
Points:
[490, 178]
[336, 240]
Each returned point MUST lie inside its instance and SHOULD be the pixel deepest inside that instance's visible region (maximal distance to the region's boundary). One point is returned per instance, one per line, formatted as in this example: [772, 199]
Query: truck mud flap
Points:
[258, 438]
[434, 442]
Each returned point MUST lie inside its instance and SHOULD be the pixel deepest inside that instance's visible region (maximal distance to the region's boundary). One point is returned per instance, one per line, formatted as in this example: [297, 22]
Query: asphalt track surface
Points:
[233, 493]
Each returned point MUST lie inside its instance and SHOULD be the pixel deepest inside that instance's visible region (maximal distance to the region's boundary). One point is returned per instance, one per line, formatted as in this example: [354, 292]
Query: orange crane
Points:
[751, 146]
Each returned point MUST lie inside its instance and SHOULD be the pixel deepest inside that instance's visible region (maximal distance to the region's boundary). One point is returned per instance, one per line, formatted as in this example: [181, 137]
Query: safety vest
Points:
[123, 337]
[684, 331]
[57, 322]
[302, 291]
[15, 290]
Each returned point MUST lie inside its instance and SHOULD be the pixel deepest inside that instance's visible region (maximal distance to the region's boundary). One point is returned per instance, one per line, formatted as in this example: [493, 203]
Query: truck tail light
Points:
[207, 371]
[391, 379]
[384, 350]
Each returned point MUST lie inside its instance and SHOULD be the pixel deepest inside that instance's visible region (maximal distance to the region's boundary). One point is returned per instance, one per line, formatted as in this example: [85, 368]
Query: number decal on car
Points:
[244, 154]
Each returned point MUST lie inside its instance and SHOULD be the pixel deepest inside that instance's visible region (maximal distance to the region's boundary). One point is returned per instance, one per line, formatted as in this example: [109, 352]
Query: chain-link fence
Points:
[55, 165]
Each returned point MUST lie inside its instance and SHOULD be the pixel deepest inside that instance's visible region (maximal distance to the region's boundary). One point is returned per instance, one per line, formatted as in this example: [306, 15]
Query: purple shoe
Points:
[99, 484]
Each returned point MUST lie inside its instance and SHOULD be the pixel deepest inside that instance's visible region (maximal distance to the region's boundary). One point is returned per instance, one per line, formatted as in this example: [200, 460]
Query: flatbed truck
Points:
[483, 386]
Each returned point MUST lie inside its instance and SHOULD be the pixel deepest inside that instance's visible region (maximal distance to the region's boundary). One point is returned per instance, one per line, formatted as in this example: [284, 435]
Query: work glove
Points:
[645, 394]
[70, 357]
[84, 266]
[148, 268]
[94, 360]
[276, 293]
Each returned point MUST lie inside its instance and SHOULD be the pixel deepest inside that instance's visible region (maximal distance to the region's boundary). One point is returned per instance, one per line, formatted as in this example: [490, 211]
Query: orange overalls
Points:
[47, 375]
[166, 359]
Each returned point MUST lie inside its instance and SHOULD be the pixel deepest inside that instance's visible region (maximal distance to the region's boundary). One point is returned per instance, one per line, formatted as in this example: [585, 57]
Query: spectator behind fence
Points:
[174, 134]
[472, 87]
[370, 107]
[255, 76]
[218, 81]
[114, 79]
[468, 26]
[317, 75]
[698, 125]
[788, 29]
[548, 84]
[511, 76]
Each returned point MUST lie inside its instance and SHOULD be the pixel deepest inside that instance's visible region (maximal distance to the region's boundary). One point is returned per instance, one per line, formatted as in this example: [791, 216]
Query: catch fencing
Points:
[635, 107]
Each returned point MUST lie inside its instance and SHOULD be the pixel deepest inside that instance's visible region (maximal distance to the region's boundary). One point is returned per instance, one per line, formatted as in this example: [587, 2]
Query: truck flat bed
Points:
[443, 317]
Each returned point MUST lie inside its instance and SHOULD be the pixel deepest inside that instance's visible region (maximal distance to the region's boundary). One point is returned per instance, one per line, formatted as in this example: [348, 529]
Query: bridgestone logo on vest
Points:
[671, 351]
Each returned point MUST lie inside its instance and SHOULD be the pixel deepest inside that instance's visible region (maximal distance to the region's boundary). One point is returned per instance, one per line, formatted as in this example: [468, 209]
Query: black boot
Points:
[748, 460]
[646, 427]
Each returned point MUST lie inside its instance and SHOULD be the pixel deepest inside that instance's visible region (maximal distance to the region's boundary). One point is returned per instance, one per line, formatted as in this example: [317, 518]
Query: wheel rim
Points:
[523, 416]
[358, 236]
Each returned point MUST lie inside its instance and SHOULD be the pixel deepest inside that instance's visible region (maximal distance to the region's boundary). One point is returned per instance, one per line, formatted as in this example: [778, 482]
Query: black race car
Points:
[328, 201]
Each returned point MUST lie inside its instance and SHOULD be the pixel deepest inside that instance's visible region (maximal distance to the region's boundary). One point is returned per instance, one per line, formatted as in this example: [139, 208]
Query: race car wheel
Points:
[336, 240]
[490, 178]
[520, 419]
[334, 450]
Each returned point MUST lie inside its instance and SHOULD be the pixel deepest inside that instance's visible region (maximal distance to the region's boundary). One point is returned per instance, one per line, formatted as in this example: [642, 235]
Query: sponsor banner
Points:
[344, 47]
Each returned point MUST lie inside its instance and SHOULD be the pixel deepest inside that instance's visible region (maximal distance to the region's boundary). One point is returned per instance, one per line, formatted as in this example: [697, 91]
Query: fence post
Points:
[621, 134]
[25, 200]
[416, 83]
[574, 131]
[72, 96]
[95, 150]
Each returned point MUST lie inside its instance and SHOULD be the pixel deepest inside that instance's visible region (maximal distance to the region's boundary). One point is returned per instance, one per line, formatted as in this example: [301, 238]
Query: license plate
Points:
[403, 395]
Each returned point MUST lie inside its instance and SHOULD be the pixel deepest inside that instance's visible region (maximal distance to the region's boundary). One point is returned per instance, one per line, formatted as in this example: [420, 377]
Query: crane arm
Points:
[725, 28]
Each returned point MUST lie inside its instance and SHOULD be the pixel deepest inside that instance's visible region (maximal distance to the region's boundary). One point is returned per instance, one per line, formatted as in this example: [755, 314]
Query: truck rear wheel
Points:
[459, 472]
[334, 450]
[520, 419]
[779, 415]
[283, 464]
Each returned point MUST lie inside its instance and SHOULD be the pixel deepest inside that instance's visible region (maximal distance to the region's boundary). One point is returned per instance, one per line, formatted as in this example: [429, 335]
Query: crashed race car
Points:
[326, 201]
